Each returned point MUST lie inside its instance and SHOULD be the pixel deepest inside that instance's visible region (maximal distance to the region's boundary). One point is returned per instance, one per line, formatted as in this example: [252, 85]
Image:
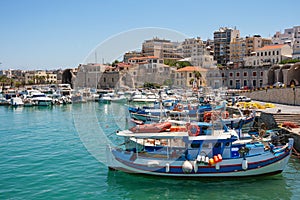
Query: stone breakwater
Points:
[288, 95]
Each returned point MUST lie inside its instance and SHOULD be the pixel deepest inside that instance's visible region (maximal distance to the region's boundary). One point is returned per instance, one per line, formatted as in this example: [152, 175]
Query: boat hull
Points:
[263, 164]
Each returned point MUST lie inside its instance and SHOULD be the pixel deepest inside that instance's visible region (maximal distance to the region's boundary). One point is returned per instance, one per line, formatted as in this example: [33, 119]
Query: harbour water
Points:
[47, 153]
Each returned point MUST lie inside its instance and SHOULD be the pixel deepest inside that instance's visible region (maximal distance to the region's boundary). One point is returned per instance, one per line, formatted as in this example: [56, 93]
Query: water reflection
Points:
[130, 186]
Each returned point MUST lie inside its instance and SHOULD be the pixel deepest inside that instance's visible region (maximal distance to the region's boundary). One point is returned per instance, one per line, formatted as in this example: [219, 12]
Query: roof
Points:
[191, 69]
[141, 58]
[274, 46]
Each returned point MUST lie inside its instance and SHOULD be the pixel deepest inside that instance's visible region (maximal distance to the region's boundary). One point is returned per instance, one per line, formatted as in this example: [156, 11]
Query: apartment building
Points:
[290, 36]
[222, 39]
[161, 48]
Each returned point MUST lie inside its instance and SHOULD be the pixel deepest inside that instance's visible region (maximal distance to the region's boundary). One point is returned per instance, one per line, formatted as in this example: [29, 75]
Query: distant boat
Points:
[16, 101]
[40, 99]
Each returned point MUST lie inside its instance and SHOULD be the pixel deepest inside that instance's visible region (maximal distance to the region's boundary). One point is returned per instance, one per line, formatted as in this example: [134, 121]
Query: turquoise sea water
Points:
[48, 153]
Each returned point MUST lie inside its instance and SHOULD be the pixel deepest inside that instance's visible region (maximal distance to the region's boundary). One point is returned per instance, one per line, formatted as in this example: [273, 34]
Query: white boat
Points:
[112, 97]
[144, 97]
[16, 101]
[40, 99]
[194, 153]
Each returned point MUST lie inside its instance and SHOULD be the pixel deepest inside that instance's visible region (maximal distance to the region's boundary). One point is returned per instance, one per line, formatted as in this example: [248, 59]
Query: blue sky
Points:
[51, 34]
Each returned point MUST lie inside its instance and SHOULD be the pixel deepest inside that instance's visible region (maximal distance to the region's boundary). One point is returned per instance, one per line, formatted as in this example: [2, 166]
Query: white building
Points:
[290, 36]
[269, 55]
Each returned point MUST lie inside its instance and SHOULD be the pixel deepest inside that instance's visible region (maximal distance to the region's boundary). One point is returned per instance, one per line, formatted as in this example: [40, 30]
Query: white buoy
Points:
[218, 166]
[187, 167]
[195, 166]
[167, 167]
[245, 164]
[207, 160]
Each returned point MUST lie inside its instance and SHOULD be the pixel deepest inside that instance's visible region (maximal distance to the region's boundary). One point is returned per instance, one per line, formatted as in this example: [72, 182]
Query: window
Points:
[254, 83]
[237, 74]
[231, 74]
[261, 73]
[253, 73]
[190, 74]
[223, 75]
[230, 82]
[245, 83]
[260, 83]
[237, 84]
[277, 52]
[245, 74]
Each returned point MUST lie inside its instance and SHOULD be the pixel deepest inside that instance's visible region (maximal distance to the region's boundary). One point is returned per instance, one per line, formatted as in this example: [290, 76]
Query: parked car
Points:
[242, 99]
[278, 84]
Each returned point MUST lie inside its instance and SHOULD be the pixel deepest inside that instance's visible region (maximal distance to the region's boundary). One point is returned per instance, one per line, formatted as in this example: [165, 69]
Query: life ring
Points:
[178, 107]
[193, 130]
[207, 117]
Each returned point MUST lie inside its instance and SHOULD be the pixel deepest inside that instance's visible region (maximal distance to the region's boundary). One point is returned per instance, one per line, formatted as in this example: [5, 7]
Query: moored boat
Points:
[194, 153]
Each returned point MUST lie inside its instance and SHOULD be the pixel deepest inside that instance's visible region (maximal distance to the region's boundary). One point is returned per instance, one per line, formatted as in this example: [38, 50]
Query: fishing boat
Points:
[195, 152]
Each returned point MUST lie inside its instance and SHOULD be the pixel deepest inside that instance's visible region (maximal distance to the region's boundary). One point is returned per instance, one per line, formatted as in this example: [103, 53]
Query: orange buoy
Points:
[211, 161]
[216, 159]
[220, 157]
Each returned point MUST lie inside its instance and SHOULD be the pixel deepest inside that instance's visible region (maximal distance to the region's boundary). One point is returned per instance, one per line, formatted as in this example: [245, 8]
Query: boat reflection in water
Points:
[128, 186]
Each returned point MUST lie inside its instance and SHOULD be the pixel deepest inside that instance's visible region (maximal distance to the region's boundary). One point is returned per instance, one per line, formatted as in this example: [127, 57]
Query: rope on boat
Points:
[296, 153]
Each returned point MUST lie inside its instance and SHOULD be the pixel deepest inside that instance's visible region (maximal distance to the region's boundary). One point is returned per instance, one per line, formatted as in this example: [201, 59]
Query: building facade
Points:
[222, 39]
[244, 78]
[190, 77]
[161, 48]
[88, 75]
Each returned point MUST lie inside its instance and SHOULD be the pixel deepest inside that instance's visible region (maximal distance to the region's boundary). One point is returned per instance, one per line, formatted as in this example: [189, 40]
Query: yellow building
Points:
[190, 77]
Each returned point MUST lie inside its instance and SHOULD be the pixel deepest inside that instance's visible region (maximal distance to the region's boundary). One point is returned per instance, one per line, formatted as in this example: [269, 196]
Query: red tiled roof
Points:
[142, 58]
[191, 69]
[123, 64]
[274, 46]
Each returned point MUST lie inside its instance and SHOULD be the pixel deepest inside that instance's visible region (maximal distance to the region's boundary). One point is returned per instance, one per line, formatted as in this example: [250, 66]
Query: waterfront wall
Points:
[290, 96]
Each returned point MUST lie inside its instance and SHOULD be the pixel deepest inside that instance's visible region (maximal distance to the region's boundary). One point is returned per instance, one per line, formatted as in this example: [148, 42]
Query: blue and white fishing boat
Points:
[193, 152]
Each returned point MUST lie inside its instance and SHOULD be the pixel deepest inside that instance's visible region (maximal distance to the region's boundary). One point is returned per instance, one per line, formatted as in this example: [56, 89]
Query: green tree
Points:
[18, 84]
[115, 63]
[290, 61]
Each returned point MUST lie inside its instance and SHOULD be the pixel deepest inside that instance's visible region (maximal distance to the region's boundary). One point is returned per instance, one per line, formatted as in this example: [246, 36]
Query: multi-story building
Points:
[269, 55]
[190, 44]
[40, 77]
[88, 75]
[237, 51]
[290, 36]
[255, 42]
[272, 54]
[136, 72]
[161, 48]
[240, 48]
[222, 39]
[131, 54]
[246, 78]
[198, 52]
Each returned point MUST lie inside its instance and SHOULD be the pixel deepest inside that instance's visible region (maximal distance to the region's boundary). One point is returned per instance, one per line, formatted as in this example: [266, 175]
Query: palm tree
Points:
[198, 76]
